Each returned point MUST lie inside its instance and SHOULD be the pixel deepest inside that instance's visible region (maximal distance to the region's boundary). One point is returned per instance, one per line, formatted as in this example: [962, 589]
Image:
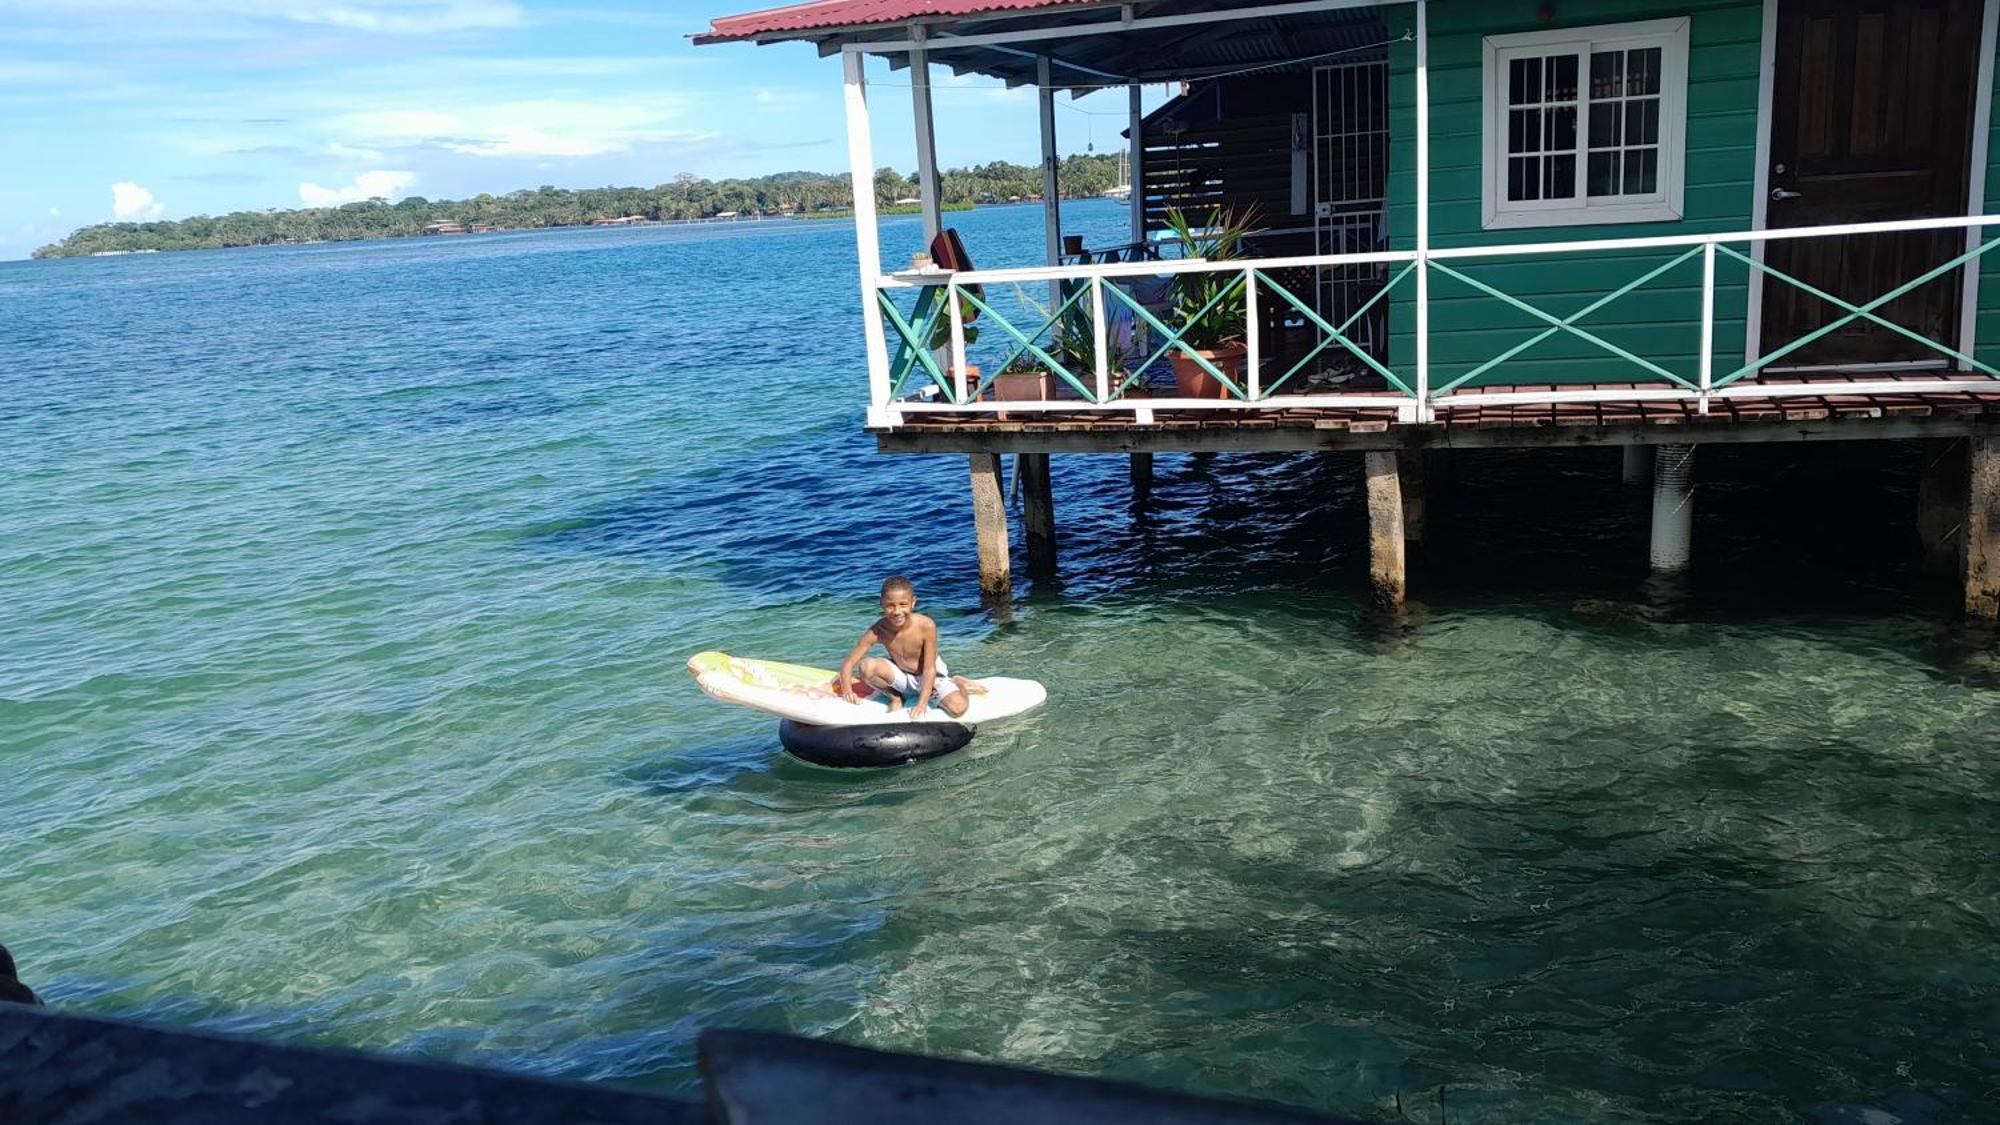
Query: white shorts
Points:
[908, 684]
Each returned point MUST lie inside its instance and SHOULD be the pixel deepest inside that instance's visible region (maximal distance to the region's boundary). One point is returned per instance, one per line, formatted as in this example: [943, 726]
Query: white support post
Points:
[1707, 323]
[957, 313]
[1136, 177]
[1975, 187]
[1253, 361]
[1100, 339]
[1051, 188]
[1423, 212]
[1673, 507]
[867, 241]
[927, 170]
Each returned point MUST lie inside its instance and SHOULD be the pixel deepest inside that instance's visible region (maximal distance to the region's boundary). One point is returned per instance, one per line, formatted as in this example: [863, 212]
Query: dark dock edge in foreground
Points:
[62, 1067]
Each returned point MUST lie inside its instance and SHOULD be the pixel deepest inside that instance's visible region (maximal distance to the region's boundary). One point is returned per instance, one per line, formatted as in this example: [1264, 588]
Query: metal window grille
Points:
[1350, 173]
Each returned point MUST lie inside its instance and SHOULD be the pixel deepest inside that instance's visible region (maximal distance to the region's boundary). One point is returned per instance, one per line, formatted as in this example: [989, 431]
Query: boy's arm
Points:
[927, 660]
[845, 678]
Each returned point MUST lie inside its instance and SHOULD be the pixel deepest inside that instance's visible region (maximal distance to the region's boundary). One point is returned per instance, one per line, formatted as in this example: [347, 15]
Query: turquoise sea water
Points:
[344, 593]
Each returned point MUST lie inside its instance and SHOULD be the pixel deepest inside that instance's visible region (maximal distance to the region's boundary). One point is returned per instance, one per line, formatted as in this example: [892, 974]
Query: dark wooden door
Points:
[1871, 120]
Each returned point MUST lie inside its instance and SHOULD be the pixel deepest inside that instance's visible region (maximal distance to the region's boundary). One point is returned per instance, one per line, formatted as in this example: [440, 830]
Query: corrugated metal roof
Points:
[828, 15]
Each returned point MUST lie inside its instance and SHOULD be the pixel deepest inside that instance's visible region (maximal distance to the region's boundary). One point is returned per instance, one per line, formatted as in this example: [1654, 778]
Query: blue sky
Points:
[170, 108]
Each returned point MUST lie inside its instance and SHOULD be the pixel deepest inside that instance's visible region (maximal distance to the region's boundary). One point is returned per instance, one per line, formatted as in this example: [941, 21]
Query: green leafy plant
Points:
[1072, 338]
[941, 324]
[1216, 235]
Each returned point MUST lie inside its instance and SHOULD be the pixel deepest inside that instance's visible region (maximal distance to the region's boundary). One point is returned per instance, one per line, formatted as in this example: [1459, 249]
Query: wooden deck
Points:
[1465, 421]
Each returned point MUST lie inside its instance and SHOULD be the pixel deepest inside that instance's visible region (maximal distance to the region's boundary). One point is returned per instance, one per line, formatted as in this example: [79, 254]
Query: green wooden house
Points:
[1617, 119]
[1642, 223]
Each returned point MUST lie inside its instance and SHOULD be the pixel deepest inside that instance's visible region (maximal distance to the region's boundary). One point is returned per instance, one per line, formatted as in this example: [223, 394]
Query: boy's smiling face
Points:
[897, 605]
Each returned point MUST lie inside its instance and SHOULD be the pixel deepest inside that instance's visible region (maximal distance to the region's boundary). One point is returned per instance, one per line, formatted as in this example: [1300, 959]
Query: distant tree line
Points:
[687, 197]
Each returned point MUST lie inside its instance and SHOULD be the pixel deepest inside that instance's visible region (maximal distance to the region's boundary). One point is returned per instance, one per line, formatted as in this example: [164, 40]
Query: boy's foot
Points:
[968, 685]
[895, 701]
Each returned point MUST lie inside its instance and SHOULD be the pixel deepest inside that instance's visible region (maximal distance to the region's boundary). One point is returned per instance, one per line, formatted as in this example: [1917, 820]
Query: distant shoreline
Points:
[740, 220]
[686, 200]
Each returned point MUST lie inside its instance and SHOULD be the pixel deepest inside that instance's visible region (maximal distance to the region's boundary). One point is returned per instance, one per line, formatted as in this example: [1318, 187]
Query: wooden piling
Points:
[1982, 529]
[1943, 476]
[1388, 579]
[1038, 513]
[1142, 471]
[1410, 481]
[989, 521]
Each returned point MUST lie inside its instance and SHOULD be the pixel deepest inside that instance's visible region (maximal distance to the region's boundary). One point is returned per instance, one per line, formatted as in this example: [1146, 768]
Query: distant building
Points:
[445, 226]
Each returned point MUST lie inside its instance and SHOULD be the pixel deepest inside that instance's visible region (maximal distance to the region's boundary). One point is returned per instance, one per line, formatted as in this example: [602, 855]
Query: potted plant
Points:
[1023, 380]
[1217, 335]
[1072, 344]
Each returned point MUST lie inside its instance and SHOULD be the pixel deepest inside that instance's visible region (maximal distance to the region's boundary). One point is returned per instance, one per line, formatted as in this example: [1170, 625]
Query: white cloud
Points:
[394, 125]
[350, 152]
[423, 17]
[981, 87]
[526, 140]
[56, 211]
[788, 99]
[130, 201]
[368, 185]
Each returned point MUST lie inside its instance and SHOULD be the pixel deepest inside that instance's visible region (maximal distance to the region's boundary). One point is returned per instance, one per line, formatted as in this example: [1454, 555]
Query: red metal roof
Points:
[828, 15]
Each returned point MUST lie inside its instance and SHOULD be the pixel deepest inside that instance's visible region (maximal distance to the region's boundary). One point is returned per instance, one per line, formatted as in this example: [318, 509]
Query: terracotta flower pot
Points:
[1192, 380]
[1021, 386]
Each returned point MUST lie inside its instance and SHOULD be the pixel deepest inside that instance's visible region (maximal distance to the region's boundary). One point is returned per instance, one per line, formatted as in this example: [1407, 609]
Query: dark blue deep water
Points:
[344, 595]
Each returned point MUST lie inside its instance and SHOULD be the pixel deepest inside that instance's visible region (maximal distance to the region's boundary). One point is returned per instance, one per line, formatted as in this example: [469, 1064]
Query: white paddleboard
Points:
[806, 695]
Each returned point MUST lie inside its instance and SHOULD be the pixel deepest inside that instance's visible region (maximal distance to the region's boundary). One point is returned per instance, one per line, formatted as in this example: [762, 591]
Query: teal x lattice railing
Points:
[1103, 332]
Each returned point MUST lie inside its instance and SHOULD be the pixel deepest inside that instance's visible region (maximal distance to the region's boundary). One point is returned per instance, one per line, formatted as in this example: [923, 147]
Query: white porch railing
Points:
[928, 319]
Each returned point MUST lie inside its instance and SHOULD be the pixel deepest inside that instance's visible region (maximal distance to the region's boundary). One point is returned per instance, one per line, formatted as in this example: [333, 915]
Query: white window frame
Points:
[1663, 205]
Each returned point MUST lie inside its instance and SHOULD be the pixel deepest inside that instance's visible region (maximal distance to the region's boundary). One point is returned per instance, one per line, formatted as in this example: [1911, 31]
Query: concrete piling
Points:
[1388, 579]
[1943, 482]
[1982, 529]
[1142, 472]
[1638, 465]
[989, 520]
[1038, 513]
[1410, 480]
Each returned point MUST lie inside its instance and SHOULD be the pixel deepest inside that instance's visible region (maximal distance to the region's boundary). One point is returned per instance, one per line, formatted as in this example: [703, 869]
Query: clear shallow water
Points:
[346, 590]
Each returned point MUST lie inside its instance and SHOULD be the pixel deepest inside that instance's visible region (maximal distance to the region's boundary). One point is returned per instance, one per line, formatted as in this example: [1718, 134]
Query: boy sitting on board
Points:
[914, 667]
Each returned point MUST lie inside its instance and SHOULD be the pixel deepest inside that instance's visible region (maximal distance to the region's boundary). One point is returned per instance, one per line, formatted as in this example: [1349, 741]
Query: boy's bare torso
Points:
[906, 647]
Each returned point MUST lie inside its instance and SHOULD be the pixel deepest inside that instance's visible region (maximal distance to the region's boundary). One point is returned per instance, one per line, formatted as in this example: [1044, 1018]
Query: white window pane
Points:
[1560, 123]
[1524, 178]
[1603, 174]
[1559, 177]
[1642, 121]
[1607, 74]
[1524, 82]
[1561, 78]
[1642, 71]
[1524, 130]
[1642, 171]
[1605, 125]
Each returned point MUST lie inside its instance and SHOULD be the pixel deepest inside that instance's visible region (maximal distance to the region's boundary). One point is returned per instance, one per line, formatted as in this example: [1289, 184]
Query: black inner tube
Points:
[872, 744]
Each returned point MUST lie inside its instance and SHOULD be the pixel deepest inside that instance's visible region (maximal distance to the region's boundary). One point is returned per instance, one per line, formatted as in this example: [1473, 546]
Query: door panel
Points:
[1871, 120]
